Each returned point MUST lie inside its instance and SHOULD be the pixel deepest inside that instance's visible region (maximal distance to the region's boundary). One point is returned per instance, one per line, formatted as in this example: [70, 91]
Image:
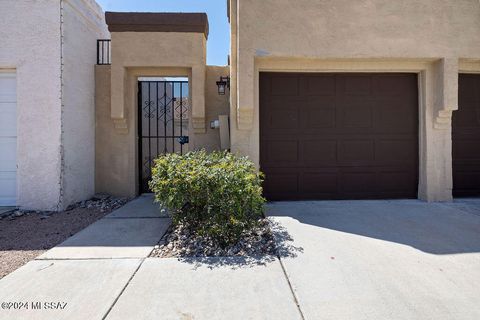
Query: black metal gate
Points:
[162, 123]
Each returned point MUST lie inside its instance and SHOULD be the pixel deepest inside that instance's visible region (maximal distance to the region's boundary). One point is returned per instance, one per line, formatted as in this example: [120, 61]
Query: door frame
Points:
[427, 71]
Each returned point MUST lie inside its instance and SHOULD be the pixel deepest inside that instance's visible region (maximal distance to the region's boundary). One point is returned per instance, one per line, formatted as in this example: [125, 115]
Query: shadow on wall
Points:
[437, 228]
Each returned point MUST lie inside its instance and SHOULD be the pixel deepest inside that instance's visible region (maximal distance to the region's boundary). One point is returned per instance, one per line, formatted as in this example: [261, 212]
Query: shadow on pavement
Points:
[436, 228]
[284, 248]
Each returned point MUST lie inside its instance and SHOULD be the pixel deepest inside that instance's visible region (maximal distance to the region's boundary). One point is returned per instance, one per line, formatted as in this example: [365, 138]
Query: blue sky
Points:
[219, 37]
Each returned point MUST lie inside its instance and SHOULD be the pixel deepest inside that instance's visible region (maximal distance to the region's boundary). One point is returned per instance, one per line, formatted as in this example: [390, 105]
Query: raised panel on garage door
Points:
[466, 138]
[339, 136]
[8, 139]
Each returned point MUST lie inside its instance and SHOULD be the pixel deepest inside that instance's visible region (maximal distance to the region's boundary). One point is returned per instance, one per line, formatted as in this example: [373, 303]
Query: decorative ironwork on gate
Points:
[163, 109]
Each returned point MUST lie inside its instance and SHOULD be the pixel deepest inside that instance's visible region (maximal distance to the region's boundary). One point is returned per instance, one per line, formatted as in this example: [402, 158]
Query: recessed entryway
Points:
[339, 136]
[466, 138]
[8, 139]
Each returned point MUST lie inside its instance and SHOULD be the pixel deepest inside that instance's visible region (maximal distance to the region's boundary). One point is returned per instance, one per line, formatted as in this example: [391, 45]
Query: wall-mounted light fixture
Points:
[223, 84]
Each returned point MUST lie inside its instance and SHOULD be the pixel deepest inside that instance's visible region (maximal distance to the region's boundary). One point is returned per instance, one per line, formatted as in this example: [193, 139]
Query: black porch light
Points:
[223, 84]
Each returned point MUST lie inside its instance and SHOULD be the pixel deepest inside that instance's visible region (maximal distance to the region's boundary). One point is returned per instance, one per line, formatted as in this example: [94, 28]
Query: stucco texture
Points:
[83, 24]
[150, 54]
[433, 38]
[116, 150]
[50, 44]
[215, 106]
[30, 45]
[165, 50]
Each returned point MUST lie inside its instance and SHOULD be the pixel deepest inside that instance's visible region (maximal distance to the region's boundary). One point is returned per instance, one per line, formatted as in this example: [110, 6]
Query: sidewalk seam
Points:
[123, 290]
[295, 299]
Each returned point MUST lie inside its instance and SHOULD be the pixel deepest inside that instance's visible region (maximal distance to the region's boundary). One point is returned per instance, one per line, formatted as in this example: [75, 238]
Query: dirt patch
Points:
[27, 235]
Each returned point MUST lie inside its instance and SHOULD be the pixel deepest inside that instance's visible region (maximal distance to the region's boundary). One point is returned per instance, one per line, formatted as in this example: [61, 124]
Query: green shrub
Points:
[216, 194]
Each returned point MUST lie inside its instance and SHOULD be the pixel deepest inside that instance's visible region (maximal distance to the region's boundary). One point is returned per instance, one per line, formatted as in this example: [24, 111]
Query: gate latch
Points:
[183, 140]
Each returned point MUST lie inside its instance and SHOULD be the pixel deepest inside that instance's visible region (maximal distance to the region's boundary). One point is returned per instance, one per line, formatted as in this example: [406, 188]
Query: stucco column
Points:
[198, 98]
[118, 113]
[245, 90]
[441, 98]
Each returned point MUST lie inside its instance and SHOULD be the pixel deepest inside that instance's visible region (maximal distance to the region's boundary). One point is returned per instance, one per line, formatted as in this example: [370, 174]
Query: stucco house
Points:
[47, 109]
[331, 99]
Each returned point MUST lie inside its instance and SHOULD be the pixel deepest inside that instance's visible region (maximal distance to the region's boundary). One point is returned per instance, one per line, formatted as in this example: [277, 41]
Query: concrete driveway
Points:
[384, 259]
[337, 260]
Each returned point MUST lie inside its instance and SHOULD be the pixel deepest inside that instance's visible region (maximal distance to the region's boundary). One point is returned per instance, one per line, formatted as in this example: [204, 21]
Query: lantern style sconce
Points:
[223, 84]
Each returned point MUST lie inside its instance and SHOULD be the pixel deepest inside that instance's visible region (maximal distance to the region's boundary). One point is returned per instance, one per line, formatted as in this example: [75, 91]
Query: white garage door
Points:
[8, 139]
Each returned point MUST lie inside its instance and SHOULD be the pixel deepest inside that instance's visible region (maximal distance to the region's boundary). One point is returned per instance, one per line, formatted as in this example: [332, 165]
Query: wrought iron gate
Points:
[162, 123]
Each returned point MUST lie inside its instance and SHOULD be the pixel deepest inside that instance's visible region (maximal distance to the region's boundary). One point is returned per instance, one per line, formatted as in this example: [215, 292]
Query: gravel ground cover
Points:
[181, 242]
[24, 235]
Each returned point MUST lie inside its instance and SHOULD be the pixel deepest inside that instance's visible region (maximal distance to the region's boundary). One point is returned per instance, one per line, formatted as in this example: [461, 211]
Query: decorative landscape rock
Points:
[102, 202]
[182, 242]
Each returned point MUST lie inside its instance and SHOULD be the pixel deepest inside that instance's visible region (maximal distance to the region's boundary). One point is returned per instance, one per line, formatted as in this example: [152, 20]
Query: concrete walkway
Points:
[347, 260]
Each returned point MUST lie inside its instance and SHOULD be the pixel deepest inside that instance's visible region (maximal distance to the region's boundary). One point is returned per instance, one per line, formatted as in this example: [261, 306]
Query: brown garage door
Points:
[339, 136]
[466, 138]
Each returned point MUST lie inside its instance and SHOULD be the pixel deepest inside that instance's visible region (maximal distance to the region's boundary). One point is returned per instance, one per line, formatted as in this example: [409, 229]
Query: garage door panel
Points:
[8, 139]
[284, 85]
[8, 156]
[403, 181]
[353, 144]
[466, 138]
[393, 151]
[465, 183]
[396, 117]
[394, 85]
[284, 119]
[319, 85]
[8, 188]
[319, 152]
[319, 183]
[8, 90]
[465, 150]
[358, 182]
[285, 102]
[357, 115]
[467, 89]
[278, 183]
[8, 119]
[468, 117]
[281, 152]
[317, 118]
[356, 152]
[355, 85]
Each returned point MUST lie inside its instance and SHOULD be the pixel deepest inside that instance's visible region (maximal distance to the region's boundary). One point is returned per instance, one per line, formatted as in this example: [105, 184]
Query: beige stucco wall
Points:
[150, 54]
[134, 50]
[215, 105]
[426, 37]
[83, 24]
[113, 156]
[116, 150]
[30, 45]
